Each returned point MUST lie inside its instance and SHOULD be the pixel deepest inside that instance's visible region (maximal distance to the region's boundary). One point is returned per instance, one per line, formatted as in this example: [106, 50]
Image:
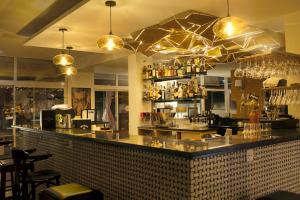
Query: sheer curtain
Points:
[108, 116]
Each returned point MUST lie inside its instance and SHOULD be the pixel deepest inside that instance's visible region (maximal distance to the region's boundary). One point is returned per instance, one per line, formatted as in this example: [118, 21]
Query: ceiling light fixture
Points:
[228, 27]
[63, 58]
[69, 70]
[110, 41]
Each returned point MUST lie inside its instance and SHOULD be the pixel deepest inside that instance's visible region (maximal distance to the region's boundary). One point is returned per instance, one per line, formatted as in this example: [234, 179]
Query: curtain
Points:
[108, 116]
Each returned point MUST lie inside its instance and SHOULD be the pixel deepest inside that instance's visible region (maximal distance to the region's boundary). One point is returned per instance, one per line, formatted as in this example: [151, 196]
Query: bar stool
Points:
[6, 168]
[71, 191]
[281, 195]
[34, 179]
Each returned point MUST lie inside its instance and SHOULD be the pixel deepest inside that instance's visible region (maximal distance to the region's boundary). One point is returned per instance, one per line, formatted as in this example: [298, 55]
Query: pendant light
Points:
[69, 70]
[110, 41]
[228, 27]
[63, 58]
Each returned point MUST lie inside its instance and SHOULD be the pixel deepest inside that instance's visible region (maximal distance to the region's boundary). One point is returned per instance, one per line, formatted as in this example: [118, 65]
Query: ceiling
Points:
[88, 22]
[91, 20]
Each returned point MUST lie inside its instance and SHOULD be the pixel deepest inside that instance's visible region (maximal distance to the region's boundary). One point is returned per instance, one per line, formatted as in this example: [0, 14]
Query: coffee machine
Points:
[52, 119]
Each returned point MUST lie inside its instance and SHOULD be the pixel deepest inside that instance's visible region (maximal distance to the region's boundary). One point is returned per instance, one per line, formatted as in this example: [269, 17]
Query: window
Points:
[214, 82]
[122, 80]
[105, 79]
[106, 107]
[29, 102]
[6, 108]
[215, 100]
[112, 110]
[6, 68]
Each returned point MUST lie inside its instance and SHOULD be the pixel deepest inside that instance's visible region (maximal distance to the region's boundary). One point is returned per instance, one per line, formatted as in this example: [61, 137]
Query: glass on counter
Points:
[173, 144]
[255, 130]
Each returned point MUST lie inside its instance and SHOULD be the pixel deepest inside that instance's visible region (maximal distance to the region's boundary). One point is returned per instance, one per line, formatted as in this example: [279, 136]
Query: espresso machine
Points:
[52, 119]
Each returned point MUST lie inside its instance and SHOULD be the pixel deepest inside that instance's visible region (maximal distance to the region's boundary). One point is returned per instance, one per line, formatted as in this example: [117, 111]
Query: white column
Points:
[135, 90]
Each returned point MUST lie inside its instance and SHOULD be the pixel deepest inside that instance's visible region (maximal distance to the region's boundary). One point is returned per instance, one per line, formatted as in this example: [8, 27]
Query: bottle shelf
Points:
[176, 100]
[171, 78]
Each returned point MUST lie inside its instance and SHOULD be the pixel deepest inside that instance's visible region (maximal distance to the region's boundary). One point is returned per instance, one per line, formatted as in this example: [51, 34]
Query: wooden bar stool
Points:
[281, 195]
[6, 170]
[23, 178]
[71, 191]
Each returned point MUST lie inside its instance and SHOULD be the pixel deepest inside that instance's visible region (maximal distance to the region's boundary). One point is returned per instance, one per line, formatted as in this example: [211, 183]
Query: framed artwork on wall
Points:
[81, 99]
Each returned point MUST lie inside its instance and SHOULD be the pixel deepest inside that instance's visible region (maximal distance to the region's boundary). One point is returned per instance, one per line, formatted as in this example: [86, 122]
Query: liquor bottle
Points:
[150, 93]
[145, 72]
[169, 71]
[193, 66]
[188, 67]
[160, 71]
[183, 70]
[154, 71]
[163, 92]
[172, 91]
[184, 88]
[175, 69]
[167, 91]
[176, 91]
[197, 63]
[146, 93]
[165, 70]
[180, 92]
[190, 89]
[179, 70]
[157, 92]
[149, 71]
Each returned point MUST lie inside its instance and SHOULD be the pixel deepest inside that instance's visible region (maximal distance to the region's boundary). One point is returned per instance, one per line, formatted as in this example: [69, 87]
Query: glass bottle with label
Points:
[153, 71]
[180, 92]
[163, 92]
[179, 70]
[197, 63]
[188, 67]
[145, 72]
[149, 71]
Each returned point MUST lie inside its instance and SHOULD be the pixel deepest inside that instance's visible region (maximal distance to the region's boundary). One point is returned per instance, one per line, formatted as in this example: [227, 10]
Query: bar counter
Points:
[142, 167]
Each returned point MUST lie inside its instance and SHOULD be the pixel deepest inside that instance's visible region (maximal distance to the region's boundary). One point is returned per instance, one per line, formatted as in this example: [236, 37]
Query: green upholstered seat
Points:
[67, 191]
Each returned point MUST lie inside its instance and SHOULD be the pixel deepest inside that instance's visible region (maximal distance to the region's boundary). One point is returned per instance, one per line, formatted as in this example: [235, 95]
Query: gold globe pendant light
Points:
[229, 27]
[63, 58]
[69, 70]
[110, 41]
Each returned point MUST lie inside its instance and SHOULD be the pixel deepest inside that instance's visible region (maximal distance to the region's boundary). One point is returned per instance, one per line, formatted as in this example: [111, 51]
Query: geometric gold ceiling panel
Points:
[190, 33]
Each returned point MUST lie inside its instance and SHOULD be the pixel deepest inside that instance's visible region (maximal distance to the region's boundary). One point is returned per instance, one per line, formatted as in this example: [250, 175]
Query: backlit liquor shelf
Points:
[176, 100]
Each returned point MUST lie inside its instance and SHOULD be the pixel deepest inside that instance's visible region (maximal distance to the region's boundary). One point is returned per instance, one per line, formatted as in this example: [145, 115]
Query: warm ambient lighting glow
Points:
[110, 42]
[63, 59]
[70, 70]
[229, 27]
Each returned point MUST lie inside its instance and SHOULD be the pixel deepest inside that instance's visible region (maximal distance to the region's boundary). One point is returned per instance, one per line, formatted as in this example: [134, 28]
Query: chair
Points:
[23, 178]
[6, 168]
[71, 191]
[281, 195]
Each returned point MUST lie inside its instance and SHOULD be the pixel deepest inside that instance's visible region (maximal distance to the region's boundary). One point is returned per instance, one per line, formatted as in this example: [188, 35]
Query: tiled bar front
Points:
[131, 173]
